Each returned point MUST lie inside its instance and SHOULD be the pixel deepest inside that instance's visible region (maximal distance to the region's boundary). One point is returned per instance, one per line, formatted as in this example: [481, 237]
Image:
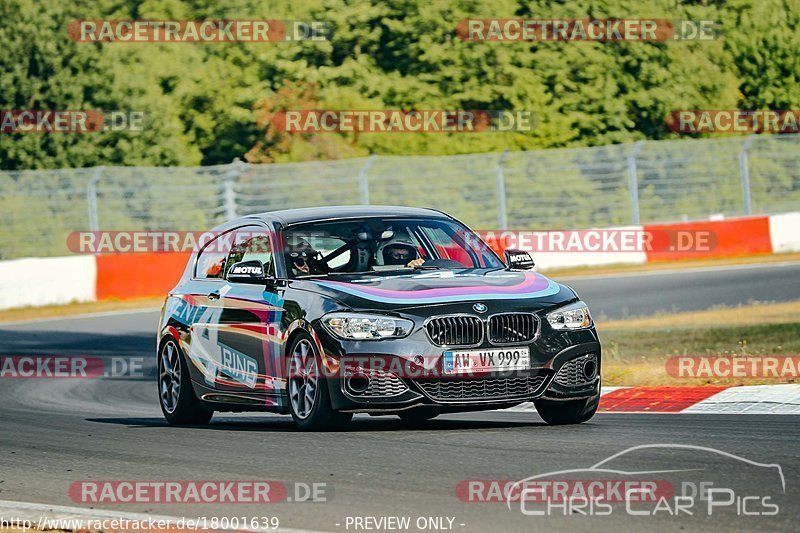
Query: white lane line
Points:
[34, 512]
[678, 271]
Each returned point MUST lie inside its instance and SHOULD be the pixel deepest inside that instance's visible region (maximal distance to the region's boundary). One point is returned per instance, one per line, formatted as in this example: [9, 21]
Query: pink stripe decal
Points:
[530, 285]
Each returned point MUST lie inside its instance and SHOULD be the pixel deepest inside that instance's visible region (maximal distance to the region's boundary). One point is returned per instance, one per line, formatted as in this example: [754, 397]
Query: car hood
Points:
[441, 287]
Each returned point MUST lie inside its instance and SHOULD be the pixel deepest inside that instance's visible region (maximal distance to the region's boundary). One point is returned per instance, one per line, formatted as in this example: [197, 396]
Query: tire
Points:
[557, 413]
[309, 397]
[175, 393]
[421, 414]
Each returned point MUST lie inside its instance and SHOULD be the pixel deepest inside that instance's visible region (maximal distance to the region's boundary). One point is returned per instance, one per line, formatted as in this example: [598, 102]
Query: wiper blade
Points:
[337, 274]
[390, 268]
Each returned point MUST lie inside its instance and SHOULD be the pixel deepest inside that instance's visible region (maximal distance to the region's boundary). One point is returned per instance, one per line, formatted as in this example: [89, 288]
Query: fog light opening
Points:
[590, 369]
[358, 383]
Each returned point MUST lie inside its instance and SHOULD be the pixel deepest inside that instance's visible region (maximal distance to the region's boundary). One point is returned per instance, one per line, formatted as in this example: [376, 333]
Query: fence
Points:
[647, 181]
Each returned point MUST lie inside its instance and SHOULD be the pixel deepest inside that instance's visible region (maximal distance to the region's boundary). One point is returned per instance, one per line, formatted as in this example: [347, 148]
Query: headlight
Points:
[572, 316]
[366, 327]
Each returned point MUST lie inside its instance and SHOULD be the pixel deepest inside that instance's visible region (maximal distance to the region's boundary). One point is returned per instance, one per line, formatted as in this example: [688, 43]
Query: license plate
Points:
[491, 360]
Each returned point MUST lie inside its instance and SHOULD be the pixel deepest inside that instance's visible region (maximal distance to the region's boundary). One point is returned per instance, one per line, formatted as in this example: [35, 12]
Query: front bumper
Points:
[392, 392]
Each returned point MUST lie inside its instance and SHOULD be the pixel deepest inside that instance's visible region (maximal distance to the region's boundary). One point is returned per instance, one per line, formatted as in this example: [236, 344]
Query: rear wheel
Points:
[309, 399]
[558, 413]
[420, 414]
[177, 399]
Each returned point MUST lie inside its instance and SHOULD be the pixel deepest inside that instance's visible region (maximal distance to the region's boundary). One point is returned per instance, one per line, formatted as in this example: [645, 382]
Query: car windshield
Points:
[382, 245]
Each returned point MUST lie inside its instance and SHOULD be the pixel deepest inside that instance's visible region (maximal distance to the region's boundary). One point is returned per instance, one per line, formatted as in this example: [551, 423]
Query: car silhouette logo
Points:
[479, 308]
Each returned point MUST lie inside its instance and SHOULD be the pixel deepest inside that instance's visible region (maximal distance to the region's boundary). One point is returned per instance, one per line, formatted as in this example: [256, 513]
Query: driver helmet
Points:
[301, 257]
[396, 252]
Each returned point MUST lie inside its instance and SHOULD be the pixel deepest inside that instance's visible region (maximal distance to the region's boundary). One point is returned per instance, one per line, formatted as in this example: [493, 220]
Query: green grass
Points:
[639, 357]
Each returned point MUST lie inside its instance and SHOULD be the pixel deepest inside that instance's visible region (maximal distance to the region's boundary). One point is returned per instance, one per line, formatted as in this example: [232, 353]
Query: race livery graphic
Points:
[323, 313]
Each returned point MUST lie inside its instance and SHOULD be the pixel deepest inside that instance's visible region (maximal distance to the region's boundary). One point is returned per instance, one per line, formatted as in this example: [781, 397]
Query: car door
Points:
[236, 338]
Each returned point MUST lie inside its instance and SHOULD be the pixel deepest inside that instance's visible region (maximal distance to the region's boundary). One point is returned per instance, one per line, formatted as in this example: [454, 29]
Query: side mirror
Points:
[247, 272]
[519, 260]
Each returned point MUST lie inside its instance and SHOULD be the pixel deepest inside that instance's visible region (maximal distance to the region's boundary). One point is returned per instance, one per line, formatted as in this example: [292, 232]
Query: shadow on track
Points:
[45, 342]
[285, 424]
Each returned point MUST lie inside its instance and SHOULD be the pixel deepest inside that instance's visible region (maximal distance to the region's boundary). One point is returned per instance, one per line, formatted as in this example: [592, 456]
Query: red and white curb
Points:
[756, 399]
[752, 399]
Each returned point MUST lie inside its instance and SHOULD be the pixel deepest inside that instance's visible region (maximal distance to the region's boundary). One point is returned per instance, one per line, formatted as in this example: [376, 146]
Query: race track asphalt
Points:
[623, 295]
[59, 431]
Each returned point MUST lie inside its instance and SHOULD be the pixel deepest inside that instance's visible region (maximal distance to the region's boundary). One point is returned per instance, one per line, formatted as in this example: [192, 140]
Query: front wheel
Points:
[177, 399]
[309, 399]
[558, 413]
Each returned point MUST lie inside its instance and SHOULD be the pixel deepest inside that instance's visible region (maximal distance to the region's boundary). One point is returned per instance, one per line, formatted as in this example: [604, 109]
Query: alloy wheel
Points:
[303, 379]
[169, 376]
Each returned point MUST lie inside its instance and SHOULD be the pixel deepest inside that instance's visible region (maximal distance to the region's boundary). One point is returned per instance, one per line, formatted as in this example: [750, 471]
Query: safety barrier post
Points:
[363, 180]
[744, 168]
[633, 182]
[91, 198]
[502, 212]
[228, 192]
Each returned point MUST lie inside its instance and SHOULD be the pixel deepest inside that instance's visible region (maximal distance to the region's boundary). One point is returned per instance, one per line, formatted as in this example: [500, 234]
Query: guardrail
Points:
[643, 182]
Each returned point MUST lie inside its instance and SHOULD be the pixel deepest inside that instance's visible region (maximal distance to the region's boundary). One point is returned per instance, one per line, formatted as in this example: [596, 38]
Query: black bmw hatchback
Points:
[325, 312]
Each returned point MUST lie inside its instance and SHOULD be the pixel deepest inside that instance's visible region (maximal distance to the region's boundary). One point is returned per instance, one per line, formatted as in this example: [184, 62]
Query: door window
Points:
[211, 261]
[252, 243]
